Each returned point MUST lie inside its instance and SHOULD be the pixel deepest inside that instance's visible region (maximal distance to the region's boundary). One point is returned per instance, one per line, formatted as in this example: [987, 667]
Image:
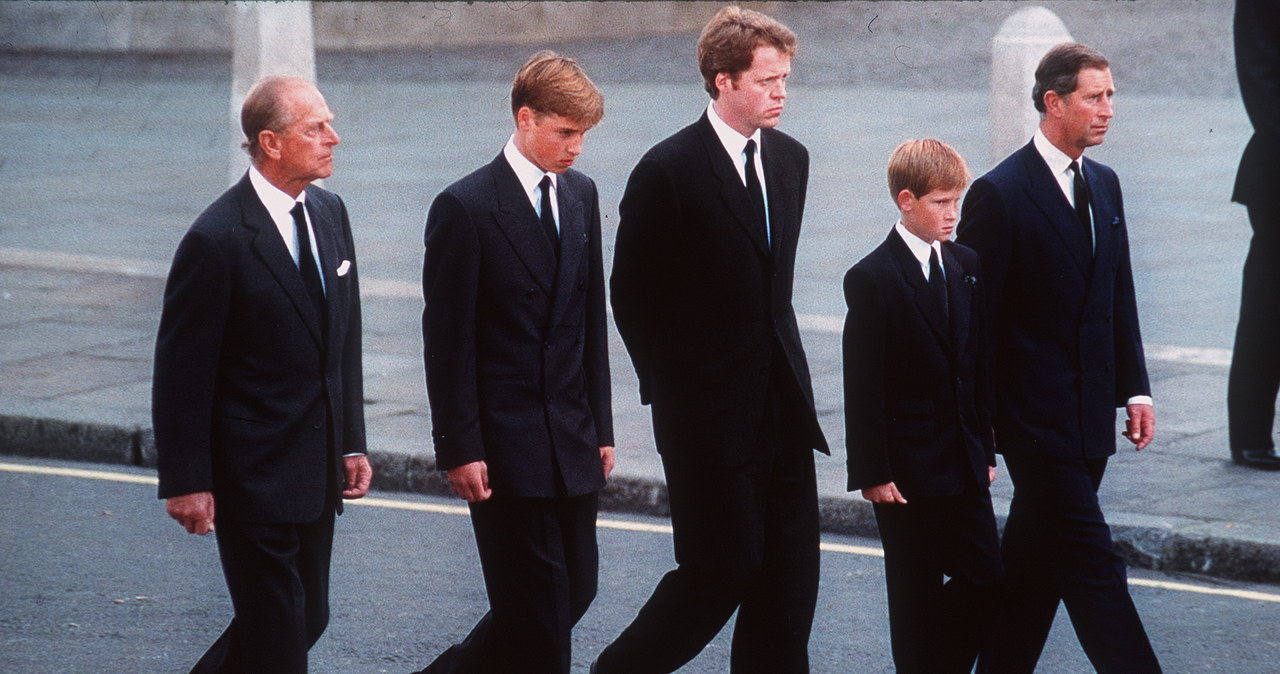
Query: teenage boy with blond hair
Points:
[517, 367]
[917, 416]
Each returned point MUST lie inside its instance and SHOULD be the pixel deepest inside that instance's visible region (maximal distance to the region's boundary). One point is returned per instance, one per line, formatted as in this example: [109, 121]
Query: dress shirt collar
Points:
[1059, 164]
[529, 175]
[919, 249]
[735, 143]
[273, 197]
[279, 204]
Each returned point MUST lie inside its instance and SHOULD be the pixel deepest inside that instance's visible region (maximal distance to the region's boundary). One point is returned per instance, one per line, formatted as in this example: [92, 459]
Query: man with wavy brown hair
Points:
[702, 280]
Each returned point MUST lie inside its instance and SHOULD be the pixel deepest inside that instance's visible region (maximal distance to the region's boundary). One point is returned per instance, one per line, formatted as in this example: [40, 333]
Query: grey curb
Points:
[1225, 550]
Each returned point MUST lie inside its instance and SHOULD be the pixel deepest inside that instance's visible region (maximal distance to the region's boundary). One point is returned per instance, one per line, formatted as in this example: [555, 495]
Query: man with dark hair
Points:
[517, 368]
[1255, 362]
[257, 396]
[1049, 227]
[701, 288]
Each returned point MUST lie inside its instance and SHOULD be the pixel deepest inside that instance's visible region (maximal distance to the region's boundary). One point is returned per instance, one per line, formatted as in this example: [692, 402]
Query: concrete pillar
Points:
[271, 38]
[1016, 50]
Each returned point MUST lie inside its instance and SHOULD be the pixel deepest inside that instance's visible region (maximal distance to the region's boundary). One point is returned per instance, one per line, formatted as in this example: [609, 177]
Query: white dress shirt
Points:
[529, 177]
[1060, 164]
[279, 206]
[736, 145]
[920, 249]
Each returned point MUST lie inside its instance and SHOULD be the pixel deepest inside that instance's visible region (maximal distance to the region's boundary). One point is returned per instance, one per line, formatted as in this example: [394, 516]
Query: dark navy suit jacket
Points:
[252, 398]
[1257, 48]
[516, 351]
[1067, 348]
[916, 389]
[701, 300]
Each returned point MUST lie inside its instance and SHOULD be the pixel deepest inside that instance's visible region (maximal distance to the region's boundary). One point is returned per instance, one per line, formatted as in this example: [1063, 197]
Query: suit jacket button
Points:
[317, 426]
[531, 292]
[546, 346]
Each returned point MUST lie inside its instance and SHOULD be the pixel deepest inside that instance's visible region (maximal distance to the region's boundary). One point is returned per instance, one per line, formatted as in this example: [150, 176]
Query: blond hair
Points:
[922, 166]
[552, 84]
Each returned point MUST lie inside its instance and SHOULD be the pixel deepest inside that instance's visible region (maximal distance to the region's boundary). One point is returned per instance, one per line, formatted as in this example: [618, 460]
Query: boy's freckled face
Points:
[932, 217]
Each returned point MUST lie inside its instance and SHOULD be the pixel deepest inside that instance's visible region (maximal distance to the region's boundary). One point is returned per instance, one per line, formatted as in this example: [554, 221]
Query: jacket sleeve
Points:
[596, 346]
[864, 343]
[192, 322]
[450, 283]
[984, 376]
[649, 207]
[1131, 364]
[984, 227]
[353, 430]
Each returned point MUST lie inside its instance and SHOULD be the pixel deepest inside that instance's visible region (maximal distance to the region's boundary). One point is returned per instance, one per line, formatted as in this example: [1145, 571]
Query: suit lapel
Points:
[781, 188]
[926, 302]
[270, 248]
[1046, 194]
[732, 192]
[573, 232]
[1105, 223]
[327, 230]
[514, 215]
[960, 295]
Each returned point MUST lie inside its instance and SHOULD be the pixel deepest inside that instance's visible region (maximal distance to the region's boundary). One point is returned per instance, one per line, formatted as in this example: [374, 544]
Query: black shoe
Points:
[1262, 459]
[593, 666]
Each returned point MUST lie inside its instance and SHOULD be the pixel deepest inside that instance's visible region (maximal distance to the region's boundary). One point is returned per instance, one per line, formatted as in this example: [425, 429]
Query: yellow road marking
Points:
[607, 523]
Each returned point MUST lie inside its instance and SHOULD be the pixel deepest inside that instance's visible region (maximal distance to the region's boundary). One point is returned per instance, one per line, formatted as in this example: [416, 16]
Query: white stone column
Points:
[271, 38]
[1016, 50]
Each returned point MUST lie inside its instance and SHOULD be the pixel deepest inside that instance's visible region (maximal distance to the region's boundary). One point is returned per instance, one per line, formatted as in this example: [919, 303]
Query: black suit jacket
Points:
[516, 351]
[253, 399]
[1257, 46]
[1068, 350]
[700, 299]
[917, 410]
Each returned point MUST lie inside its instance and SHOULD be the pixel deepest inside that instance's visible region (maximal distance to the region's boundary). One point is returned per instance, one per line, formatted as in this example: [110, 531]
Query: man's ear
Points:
[906, 201]
[270, 142]
[525, 118]
[1053, 103]
[724, 82]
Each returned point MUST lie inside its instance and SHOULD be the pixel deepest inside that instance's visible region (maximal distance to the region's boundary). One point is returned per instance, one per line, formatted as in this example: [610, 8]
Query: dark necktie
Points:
[937, 283]
[548, 217]
[1082, 203]
[754, 189]
[307, 263]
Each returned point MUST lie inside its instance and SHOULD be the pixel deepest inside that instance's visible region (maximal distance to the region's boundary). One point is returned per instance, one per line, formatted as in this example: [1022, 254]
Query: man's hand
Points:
[991, 474]
[1140, 427]
[193, 511]
[471, 481]
[885, 493]
[358, 476]
[606, 460]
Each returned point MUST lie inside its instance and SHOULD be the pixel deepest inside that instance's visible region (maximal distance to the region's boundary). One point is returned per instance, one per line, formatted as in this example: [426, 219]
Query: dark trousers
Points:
[540, 562]
[937, 626]
[1057, 547]
[278, 577]
[1255, 362]
[746, 539]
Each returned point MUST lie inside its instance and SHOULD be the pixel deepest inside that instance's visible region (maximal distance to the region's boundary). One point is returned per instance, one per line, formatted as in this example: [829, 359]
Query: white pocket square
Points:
[344, 267]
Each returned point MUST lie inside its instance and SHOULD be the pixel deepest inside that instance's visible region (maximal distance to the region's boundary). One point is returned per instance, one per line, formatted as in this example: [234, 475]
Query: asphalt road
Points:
[95, 578]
